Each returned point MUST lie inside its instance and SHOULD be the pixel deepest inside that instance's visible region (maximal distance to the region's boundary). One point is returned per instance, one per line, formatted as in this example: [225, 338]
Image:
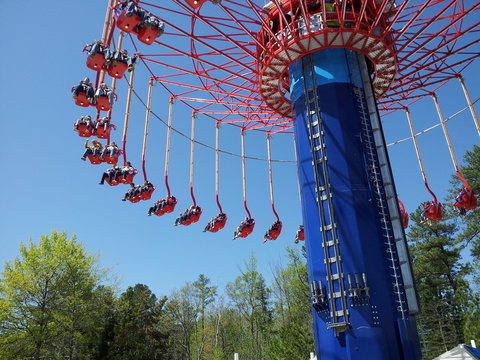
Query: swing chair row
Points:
[466, 200]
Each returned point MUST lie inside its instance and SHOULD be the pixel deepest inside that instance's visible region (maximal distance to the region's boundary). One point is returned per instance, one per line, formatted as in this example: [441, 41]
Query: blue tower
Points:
[362, 290]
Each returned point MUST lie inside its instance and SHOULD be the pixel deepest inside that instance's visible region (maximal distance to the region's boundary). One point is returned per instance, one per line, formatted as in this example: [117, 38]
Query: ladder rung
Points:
[336, 295]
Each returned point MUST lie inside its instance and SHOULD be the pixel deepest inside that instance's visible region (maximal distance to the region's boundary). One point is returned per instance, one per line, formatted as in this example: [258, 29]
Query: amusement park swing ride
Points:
[323, 71]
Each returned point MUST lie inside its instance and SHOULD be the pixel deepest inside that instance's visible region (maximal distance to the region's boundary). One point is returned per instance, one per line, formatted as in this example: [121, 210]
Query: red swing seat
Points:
[101, 133]
[404, 218]
[81, 100]
[195, 216]
[403, 214]
[117, 69]
[84, 130]
[433, 211]
[95, 61]
[170, 205]
[147, 34]
[147, 194]
[127, 23]
[128, 179]
[218, 224]
[134, 199]
[274, 232]
[114, 182]
[467, 199]
[112, 160]
[300, 235]
[245, 229]
[160, 211]
[195, 3]
[102, 103]
[95, 160]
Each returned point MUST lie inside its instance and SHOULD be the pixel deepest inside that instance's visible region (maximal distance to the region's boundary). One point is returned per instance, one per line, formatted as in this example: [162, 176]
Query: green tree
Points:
[48, 297]
[204, 296]
[470, 233]
[250, 295]
[182, 312]
[138, 330]
[441, 283]
[291, 336]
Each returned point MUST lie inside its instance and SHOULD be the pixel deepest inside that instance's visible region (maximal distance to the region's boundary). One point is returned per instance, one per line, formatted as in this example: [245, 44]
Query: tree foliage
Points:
[48, 300]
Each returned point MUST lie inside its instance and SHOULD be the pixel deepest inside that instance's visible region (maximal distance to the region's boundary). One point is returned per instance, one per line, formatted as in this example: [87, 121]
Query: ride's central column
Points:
[359, 307]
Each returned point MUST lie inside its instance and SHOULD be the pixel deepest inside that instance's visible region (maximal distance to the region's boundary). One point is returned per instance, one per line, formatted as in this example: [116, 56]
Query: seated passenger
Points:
[94, 149]
[183, 216]
[104, 91]
[103, 122]
[97, 55]
[216, 223]
[85, 86]
[147, 190]
[170, 203]
[189, 216]
[126, 174]
[433, 211]
[110, 175]
[111, 150]
[245, 228]
[157, 208]
[84, 125]
[131, 8]
[300, 235]
[149, 29]
[151, 21]
[273, 232]
[96, 48]
[466, 200]
[130, 194]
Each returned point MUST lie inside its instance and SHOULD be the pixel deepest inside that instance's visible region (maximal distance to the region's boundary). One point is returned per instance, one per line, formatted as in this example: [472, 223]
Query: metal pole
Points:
[470, 105]
[127, 116]
[167, 150]
[270, 177]
[108, 17]
[244, 179]
[192, 147]
[145, 131]
[415, 143]
[445, 131]
[217, 143]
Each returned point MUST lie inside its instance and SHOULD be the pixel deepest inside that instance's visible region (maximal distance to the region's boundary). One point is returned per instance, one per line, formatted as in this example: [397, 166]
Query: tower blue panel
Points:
[359, 307]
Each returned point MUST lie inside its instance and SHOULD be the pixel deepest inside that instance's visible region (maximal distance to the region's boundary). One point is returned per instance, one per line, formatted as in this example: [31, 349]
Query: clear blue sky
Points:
[46, 186]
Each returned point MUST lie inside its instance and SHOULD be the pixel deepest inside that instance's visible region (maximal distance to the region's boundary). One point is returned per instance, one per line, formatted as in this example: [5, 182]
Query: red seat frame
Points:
[95, 160]
[101, 133]
[147, 34]
[112, 160]
[81, 100]
[117, 69]
[147, 194]
[127, 23]
[467, 199]
[84, 130]
[102, 103]
[433, 211]
[96, 61]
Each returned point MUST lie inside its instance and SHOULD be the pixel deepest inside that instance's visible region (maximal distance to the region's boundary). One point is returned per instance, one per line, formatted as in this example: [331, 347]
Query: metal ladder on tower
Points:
[379, 169]
[336, 293]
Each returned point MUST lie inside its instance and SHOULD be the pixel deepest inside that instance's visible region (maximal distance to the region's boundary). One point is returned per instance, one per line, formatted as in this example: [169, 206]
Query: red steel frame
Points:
[220, 65]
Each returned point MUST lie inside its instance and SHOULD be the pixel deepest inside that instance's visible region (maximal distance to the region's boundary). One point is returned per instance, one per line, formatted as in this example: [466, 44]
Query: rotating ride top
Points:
[324, 70]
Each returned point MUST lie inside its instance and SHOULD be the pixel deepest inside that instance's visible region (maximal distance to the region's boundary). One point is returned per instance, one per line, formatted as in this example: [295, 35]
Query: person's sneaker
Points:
[83, 158]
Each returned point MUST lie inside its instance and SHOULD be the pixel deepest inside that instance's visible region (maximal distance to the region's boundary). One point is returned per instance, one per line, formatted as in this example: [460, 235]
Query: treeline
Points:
[53, 306]
[57, 303]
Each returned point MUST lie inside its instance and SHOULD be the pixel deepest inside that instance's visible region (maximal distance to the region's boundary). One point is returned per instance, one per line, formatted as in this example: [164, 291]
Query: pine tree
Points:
[441, 283]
